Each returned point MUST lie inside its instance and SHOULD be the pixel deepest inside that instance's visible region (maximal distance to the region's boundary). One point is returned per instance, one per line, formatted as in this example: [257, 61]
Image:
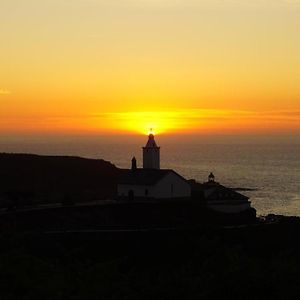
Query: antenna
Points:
[151, 131]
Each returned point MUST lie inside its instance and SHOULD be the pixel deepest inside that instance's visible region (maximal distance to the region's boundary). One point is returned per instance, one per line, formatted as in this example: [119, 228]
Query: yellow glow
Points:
[141, 122]
[198, 121]
[160, 121]
[173, 121]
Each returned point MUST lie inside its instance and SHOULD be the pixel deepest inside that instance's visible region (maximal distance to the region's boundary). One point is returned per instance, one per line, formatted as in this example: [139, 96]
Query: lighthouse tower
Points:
[151, 156]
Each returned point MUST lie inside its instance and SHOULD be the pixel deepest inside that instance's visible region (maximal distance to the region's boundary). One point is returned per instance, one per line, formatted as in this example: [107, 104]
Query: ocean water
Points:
[270, 165]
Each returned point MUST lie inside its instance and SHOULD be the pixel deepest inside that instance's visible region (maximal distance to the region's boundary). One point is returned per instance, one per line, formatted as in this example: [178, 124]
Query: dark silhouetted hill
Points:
[29, 179]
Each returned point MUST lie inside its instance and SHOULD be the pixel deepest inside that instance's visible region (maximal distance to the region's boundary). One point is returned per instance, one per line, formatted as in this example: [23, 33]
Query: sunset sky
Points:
[124, 66]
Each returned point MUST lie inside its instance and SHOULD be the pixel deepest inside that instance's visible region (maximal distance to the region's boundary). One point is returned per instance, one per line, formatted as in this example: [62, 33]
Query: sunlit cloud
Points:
[192, 4]
[169, 3]
[292, 1]
[5, 92]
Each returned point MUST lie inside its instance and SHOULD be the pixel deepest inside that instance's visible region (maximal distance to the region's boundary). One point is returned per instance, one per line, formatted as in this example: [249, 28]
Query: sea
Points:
[267, 168]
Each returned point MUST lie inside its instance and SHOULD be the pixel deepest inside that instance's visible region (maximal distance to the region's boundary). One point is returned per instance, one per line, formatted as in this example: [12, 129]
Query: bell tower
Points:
[151, 155]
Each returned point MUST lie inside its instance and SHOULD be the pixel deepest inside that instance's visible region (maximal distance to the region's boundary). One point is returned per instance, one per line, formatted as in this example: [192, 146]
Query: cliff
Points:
[30, 179]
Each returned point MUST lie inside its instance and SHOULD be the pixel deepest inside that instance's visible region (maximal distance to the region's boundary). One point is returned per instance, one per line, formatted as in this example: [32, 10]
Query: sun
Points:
[154, 122]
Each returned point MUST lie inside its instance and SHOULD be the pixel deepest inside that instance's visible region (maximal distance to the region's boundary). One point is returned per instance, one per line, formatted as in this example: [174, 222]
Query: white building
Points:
[151, 182]
[220, 198]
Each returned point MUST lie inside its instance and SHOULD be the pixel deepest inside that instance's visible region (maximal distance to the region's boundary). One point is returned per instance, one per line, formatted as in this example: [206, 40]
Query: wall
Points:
[163, 189]
[139, 190]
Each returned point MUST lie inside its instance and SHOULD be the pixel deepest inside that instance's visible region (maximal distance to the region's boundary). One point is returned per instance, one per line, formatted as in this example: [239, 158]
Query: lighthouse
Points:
[151, 182]
[151, 156]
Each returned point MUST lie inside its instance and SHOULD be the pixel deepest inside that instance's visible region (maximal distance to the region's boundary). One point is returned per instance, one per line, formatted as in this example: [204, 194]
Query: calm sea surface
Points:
[269, 165]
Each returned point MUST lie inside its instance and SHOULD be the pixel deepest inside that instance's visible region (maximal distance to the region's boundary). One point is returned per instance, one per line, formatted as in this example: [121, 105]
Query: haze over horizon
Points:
[123, 67]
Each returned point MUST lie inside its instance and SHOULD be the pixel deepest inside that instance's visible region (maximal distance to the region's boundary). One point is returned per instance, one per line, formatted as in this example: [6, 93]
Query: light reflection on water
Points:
[271, 168]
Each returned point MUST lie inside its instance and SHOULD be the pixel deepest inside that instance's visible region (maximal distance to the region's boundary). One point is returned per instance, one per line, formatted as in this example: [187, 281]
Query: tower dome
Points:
[151, 141]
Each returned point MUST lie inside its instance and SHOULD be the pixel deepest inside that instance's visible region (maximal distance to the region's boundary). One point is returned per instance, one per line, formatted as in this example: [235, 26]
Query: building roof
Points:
[145, 176]
[216, 191]
[220, 192]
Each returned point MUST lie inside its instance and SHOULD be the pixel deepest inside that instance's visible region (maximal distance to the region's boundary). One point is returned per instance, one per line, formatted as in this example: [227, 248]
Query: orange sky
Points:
[112, 66]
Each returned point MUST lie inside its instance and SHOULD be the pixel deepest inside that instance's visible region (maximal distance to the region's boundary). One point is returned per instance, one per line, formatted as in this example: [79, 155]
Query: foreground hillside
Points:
[254, 262]
[30, 179]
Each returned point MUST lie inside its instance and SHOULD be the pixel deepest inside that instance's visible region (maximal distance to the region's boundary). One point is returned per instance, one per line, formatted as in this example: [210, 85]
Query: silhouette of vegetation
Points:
[241, 263]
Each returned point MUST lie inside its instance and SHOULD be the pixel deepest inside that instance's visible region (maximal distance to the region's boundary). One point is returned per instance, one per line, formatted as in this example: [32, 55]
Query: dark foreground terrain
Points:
[114, 250]
[252, 262]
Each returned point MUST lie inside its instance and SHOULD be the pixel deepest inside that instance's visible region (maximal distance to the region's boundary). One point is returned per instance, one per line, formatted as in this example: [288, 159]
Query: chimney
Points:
[133, 164]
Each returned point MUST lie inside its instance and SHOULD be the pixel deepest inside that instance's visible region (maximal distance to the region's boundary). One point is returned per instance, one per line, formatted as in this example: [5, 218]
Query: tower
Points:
[151, 156]
[211, 177]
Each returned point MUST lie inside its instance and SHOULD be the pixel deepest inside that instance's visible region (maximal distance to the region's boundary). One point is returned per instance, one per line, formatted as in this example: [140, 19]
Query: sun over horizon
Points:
[123, 67]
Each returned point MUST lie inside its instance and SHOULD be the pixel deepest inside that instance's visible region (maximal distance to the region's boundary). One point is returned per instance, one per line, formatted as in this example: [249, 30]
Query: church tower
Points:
[151, 156]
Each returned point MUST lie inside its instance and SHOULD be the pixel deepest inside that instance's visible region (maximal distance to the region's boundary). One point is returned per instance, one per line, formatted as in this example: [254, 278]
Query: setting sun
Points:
[145, 122]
